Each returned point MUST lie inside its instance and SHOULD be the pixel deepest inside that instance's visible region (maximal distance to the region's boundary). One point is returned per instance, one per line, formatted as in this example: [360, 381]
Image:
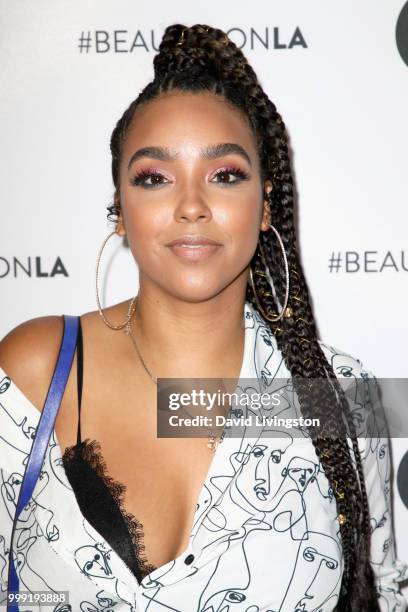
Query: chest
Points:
[163, 477]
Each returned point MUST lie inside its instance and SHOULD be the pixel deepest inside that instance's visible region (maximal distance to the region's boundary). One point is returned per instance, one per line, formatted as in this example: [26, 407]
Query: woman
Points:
[204, 196]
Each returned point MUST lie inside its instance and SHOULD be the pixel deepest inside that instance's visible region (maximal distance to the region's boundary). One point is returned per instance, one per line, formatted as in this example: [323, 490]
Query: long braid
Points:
[204, 58]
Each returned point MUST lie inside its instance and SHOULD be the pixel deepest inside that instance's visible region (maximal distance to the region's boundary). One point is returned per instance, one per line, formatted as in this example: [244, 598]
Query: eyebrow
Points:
[209, 152]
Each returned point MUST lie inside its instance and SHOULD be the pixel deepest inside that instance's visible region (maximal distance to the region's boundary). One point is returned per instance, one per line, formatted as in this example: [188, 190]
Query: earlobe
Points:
[266, 217]
[120, 226]
[267, 189]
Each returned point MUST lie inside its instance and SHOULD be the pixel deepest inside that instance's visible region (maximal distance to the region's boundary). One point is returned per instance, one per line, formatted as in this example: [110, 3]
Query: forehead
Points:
[185, 120]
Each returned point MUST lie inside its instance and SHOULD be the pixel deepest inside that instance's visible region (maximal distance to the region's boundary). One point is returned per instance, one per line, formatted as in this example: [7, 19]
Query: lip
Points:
[261, 493]
[193, 240]
[194, 252]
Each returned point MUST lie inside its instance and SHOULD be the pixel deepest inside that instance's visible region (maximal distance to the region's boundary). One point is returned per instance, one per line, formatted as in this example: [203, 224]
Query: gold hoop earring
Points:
[285, 311]
[132, 304]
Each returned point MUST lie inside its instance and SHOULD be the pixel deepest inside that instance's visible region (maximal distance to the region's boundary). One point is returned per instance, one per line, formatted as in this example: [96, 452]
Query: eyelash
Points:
[241, 174]
[138, 179]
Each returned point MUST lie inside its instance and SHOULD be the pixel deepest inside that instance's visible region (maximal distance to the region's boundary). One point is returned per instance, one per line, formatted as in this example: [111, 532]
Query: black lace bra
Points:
[100, 497]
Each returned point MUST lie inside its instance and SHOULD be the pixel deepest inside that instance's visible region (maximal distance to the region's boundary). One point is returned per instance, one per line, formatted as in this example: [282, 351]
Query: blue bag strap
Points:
[43, 433]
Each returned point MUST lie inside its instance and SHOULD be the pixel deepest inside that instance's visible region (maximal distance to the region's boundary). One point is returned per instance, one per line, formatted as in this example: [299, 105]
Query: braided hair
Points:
[202, 58]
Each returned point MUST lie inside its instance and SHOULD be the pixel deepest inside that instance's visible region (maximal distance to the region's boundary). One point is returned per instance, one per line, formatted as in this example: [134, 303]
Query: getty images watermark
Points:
[201, 399]
[281, 407]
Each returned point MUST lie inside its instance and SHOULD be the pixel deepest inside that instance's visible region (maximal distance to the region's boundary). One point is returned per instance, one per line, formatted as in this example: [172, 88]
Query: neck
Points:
[190, 340]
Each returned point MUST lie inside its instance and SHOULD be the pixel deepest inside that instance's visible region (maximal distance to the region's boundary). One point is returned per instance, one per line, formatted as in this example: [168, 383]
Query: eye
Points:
[345, 371]
[224, 175]
[276, 456]
[148, 179]
[258, 451]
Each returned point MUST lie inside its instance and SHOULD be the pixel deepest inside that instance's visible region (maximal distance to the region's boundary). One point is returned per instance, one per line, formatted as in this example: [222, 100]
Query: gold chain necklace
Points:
[212, 440]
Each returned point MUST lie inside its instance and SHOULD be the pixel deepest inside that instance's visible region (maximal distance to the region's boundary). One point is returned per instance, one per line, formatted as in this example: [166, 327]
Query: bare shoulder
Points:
[28, 354]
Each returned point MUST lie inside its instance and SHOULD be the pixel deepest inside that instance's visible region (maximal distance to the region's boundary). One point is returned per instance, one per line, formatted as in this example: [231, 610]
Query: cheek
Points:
[240, 221]
[147, 222]
[144, 225]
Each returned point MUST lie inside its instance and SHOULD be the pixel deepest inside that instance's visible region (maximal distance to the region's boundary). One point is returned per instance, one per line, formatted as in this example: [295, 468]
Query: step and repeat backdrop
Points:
[338, 74]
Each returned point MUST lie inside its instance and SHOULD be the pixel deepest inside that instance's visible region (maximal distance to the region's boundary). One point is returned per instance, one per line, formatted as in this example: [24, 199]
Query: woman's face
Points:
[190, 166]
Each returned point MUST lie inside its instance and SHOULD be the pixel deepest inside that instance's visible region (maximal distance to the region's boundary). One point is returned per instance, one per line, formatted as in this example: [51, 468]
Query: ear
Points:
[266, 216]
[120, 226]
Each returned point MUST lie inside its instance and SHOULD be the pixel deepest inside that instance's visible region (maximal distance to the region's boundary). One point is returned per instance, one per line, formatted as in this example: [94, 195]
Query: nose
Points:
[192, 206]
[262, 473]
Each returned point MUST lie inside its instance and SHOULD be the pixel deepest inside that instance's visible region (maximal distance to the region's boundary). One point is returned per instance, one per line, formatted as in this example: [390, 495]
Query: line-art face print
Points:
[37, 506]
[26, 532]
[289, 512]
[317, 570]
[264, 336]
[253, 482]
[24, 557]
[384, 465]
[94, 560]
[10, 490]
[103, 602]
[264, 350]
[356, 391]
[382, 468]
[28, 431]
[301, 471]
[25, 431]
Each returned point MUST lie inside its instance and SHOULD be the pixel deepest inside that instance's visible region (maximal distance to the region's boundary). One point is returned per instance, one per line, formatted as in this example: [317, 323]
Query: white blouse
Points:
[264, 538]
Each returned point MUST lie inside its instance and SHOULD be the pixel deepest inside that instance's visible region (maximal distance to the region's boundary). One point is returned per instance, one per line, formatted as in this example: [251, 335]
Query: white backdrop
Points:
[338, 74]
